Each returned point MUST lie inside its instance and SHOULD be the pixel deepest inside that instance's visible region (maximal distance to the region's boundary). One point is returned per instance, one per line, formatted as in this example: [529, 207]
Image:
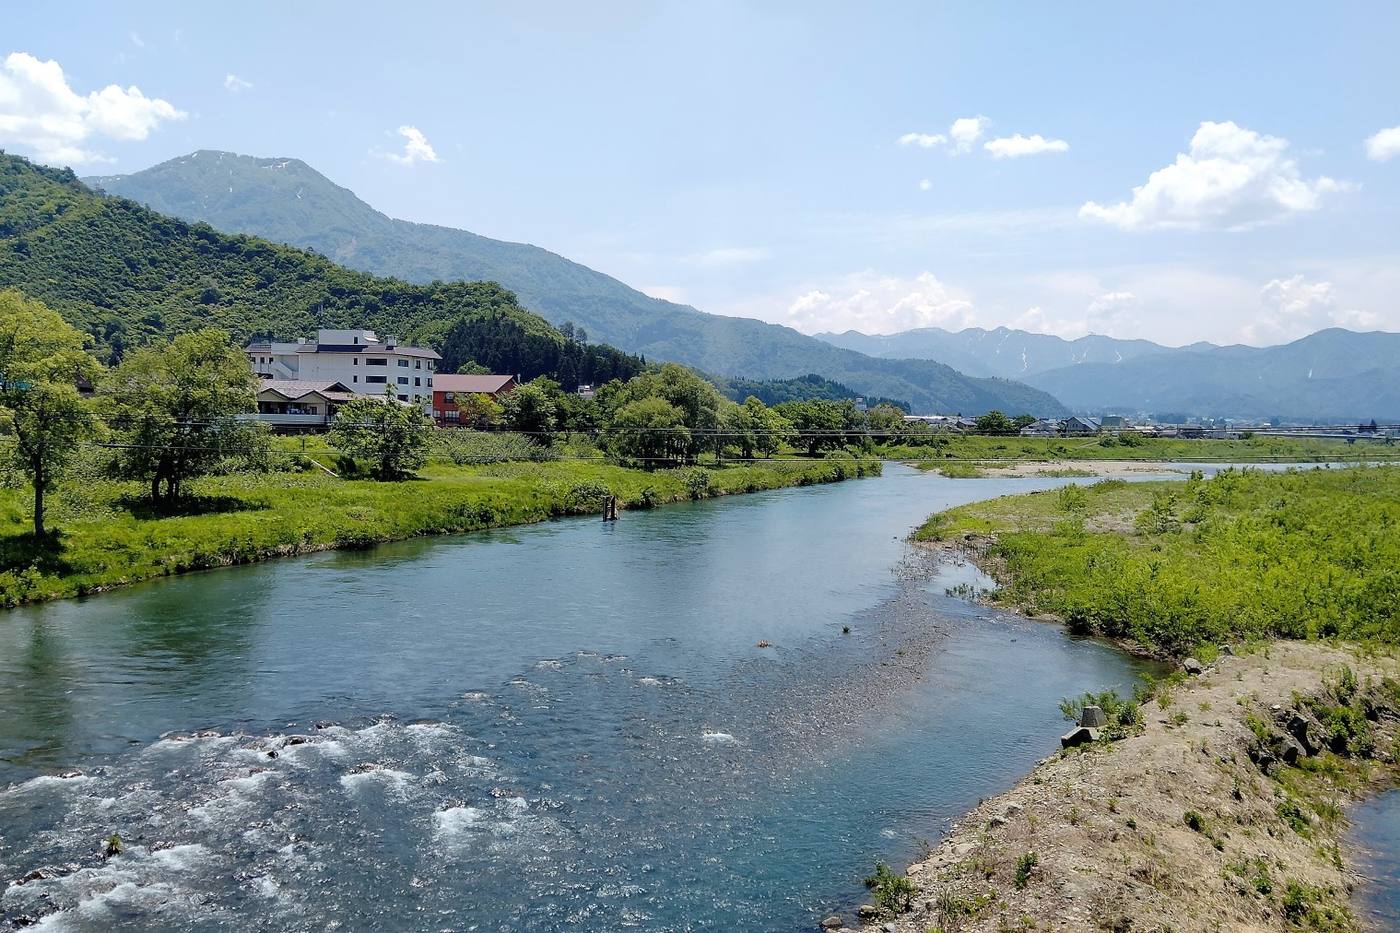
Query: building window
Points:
[354, 361]
[377, 361]
[417, 381]
[403, 380]
[403, 363]
[377, 380]
[417, 364]
[403, 398]
[449, 397]
[354, 378]
[430, 382]
[453, 415]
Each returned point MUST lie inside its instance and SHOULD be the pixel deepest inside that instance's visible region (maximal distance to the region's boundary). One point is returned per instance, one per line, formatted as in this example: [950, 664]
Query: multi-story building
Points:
[357, 358]
[450, 388]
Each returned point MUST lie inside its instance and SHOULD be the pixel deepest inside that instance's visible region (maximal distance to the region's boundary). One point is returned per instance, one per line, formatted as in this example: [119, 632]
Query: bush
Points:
[892, 893]
[697, 482]
[1024, 866]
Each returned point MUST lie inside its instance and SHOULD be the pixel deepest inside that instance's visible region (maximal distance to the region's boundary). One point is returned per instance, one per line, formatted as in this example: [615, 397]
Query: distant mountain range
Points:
[287, 201]
[1333, 374]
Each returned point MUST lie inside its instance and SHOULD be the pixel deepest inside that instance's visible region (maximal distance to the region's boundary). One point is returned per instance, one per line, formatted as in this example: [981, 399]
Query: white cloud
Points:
[415, 148]
[1036, 320]
[1232, 179]
[925, 184]
[879, 304]
[664, 292]
[922, 140]
[233, 84]
[1013, 147]
[965, 132]
[1295, 307]
[1385, 145]
[136, 39]
[729, 256]
[38, 110]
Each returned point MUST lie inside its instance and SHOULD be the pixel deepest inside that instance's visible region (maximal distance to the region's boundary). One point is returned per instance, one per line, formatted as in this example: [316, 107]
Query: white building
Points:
[357, 358]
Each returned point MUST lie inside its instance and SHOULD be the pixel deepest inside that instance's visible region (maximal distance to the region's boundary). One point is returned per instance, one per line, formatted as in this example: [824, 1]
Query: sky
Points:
[1193, 171]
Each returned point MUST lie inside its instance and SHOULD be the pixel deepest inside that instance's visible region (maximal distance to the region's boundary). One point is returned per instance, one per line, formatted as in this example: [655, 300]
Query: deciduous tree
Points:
[392, 436]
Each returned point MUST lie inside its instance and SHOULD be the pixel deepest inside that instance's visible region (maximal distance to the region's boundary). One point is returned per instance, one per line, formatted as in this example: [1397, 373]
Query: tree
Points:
[392, 436]
[41, 360]
[473, 368]
[698, 401]
[529, 409]
[650, 430]
[820, 424]
[478, 410]
[755, 427]
[176, 409]
[994, 422]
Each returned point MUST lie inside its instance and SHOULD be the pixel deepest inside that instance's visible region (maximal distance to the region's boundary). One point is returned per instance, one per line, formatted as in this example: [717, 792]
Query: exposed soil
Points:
[1114, 848]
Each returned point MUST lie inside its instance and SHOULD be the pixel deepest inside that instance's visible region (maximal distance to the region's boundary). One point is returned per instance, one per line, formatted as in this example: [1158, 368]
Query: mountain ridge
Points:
[1332, 374]
[285, 200]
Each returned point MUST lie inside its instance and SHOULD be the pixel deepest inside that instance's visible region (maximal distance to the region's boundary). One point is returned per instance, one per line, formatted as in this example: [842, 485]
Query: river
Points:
[560, 726]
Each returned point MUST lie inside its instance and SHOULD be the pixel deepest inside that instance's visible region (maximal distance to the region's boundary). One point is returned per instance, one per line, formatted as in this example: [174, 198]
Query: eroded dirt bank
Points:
[1224, 812]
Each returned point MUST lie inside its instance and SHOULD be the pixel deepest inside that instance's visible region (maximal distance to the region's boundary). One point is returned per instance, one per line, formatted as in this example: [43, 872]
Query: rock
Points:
[1287, 749]
[765, 644]
[1093, 717]
[296, 740]
[1225, 649]
[887, 928]
[1192, 666]
[272, 753]
[1079, 736]
[70, 773]
[867, 911]
[832, 923]
[996, 821]
[1012, 809]
[39, 874]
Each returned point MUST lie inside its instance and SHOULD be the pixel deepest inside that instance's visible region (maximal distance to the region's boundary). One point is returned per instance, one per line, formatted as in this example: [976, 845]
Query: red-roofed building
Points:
[448, 388]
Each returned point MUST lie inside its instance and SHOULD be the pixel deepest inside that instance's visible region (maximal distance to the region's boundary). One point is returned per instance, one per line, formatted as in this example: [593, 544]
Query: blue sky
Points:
[797, 161]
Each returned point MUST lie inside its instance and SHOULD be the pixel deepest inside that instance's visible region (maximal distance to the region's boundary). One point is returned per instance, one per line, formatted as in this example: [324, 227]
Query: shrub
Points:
[892, 893]
[1024, 866]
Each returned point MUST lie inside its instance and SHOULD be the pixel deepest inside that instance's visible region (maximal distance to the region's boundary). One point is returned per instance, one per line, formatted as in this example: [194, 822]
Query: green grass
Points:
[1291, 450]
[107, 537]
[1176, 566]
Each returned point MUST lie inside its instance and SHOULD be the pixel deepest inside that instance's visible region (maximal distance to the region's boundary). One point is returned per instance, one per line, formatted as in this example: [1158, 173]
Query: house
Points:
[1076, 426]
[1043, 427]
[357, 358]
[300, 405]
[586, 391]
[955, 424]
[1114, 423]
[451, 387]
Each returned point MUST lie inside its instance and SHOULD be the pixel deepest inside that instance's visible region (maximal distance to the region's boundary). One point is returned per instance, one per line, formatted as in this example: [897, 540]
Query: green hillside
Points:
[287, 201]
[127, 275]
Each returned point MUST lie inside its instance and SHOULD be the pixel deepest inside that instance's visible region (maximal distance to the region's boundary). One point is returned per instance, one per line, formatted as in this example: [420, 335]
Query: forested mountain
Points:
[286, 201]
[1002, 351]
[1331, 375]
[127, 274]
[802, 389]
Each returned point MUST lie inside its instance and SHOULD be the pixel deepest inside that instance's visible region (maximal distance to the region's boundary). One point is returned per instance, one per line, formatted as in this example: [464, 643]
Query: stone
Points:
[1287, 749]
[1093, 717]
[1079, 736]
[1013, 808]
[1226, 649]
[867, 911]
[996, 822]
[1192, 666]
[832, 923]
[887, 928]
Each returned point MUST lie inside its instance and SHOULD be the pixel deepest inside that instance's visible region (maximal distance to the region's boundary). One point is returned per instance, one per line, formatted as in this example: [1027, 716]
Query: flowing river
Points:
[561, 726]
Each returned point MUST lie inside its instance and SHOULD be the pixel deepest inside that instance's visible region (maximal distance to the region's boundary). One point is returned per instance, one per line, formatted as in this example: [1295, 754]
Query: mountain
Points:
[1003, 352]
[802, 389]
[287, 201]
[127, 275]
[1333, 374]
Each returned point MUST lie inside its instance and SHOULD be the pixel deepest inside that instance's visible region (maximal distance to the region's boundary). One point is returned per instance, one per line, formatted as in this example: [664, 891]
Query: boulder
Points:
[1192, 666]
[832, 923]
[1093, 717]
[1287, 749]
[867, 911]
[1079, 736]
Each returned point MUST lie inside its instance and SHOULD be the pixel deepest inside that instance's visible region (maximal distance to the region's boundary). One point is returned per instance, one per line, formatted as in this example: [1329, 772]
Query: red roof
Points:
[455, 382]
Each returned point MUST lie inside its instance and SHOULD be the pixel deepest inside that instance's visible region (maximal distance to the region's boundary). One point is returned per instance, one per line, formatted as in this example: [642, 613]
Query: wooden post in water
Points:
[610, 508]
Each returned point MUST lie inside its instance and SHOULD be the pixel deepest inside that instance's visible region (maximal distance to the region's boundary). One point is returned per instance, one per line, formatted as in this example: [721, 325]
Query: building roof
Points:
[295, 389]
[264, 346]
[458, 382]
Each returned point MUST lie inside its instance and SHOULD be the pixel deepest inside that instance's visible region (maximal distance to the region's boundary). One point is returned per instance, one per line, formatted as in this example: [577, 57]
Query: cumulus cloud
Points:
[922, 140]
[415, 148]
[1385, 145]
[233, 84]
[40, 111]
[1232, 179]
[965, 132]
[880, 304]
[1295, 307]
[925, 184]
[1013, 147]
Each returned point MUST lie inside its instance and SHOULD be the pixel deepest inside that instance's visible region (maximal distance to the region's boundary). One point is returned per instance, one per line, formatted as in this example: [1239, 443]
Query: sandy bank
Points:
[1114, 848]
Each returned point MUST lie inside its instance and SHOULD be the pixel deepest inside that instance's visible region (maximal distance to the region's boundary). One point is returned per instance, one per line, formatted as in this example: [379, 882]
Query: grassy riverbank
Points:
[1179, 567]
[972, 455]
[108, 536]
